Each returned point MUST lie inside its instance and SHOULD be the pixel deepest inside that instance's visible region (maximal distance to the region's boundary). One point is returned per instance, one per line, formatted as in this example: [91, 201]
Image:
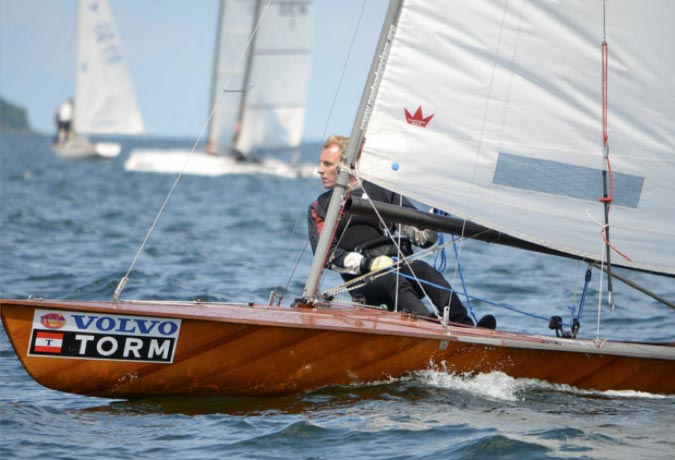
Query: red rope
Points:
[605, 136]
[611, 182]
[605, 58]
[604, 238]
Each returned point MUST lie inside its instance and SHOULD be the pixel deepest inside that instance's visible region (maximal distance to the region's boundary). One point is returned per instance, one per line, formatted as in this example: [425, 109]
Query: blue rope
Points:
[461, 277]
[501, 305]
[440, 260]
[440, 263]
[509, 307]
[582, 301]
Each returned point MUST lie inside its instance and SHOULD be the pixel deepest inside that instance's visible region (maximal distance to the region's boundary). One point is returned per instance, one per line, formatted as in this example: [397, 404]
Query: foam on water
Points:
[494, 385]
[500, 386]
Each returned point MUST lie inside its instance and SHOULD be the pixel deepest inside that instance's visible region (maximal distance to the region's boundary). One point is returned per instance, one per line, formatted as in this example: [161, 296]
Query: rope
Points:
[440, 263]
[608, 188]
[323, 136]
[466, 291]
[440, 259]
[366, 278]
[125, 278]
[391, 237]
[600, 291]
[510, 307]
[582, 301]
[363, 279]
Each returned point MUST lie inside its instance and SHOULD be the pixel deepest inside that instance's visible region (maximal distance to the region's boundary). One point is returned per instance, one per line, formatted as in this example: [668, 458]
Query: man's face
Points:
[328, 165]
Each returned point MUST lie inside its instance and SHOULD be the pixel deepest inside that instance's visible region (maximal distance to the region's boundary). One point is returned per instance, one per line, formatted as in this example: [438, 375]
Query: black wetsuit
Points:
[357, 237]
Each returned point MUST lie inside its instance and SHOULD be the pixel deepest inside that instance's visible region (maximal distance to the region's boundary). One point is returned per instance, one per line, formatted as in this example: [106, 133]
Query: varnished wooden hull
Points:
[228, 349]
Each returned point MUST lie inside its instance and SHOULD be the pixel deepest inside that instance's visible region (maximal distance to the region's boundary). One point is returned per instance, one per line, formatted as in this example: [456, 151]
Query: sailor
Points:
[360, 245]
[64, 120]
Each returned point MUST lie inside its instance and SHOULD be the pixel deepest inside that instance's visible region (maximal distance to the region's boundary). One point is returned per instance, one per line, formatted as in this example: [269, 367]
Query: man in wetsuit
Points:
[361, 245]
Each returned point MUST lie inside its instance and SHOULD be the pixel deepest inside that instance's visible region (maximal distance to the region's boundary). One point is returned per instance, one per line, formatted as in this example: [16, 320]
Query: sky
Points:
[169, 48]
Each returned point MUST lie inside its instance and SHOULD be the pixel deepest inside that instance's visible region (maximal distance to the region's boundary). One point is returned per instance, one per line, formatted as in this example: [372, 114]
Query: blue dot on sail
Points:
[395, 166]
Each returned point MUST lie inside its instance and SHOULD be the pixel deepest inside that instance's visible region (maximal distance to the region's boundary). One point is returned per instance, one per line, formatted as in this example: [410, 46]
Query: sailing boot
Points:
[487, 322]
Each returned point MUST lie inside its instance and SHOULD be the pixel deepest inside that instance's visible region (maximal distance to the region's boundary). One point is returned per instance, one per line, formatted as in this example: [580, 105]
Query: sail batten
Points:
[492, 111]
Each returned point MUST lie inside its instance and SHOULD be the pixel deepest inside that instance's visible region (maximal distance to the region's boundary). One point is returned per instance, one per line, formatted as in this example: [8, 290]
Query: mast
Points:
[78, 63]
[353, 148]
[211, 144]
[247, 77]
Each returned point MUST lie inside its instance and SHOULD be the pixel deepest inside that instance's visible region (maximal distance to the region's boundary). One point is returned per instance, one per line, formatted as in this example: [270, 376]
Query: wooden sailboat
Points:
[258, 98]
[105, 102]
[131, 349]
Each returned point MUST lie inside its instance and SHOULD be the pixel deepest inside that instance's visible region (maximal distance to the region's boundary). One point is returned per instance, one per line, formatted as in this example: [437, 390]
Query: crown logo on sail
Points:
[417, 119]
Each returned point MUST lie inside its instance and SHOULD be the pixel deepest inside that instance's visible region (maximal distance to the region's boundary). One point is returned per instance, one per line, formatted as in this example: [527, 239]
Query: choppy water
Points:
[70, 229]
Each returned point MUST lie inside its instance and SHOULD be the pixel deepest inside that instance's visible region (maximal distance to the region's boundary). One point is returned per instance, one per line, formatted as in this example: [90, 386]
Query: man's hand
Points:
[421, 238]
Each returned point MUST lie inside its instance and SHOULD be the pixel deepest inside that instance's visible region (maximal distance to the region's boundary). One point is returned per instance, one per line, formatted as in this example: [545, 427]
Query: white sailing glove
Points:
[373, 264]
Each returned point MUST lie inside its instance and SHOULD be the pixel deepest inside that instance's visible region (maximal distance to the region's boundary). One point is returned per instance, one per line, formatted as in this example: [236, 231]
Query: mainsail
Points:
[492, 111]
[264, 103]
[105, 102]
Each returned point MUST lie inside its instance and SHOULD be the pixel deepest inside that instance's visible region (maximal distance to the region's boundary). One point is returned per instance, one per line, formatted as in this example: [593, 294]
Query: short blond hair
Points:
[338, 140]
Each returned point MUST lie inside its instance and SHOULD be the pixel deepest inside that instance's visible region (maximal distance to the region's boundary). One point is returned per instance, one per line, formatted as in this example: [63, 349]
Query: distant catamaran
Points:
[258, 98]
[105, 102]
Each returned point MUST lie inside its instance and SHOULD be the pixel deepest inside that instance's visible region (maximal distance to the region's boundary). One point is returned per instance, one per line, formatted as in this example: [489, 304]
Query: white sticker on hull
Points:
[91, 335]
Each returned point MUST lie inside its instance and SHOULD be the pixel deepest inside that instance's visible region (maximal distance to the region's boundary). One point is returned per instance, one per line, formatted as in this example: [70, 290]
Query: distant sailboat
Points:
[257, 99]
[105, 102]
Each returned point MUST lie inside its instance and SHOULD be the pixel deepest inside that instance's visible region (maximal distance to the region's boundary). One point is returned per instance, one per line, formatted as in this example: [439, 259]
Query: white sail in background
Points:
[274, 76]
[492, 111]
[105, 102]
[235, 24]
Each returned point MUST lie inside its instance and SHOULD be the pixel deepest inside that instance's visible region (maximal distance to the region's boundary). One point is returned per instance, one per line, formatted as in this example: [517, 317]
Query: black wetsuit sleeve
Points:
[315, 221]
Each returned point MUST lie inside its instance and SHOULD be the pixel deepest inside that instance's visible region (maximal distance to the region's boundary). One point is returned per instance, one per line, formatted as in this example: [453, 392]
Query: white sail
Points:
[105, 102]
[274, 77]
[235, 24]
[492, 111]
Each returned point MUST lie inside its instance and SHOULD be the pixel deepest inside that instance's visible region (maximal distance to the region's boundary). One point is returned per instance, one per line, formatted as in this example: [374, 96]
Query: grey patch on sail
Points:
[547, 176]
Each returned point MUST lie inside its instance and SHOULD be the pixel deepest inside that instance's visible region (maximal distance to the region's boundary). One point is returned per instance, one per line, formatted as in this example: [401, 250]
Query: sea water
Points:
[71, 229]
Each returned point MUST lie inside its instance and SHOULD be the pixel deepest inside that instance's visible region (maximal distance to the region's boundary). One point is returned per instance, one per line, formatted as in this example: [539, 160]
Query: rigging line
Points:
[458, 267]
[496, 304]
[290, 278]
[638, 287]
[607, 194]
[510, 307]
[287, 251]
[577, 283]
[464, 288]
[365, 278]
[582, 301]
[600, 291]
[323, 134]
[391, 237]
[348, 285]
[125, 278]
[331, 252]
[398, 249]
[344, 68]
